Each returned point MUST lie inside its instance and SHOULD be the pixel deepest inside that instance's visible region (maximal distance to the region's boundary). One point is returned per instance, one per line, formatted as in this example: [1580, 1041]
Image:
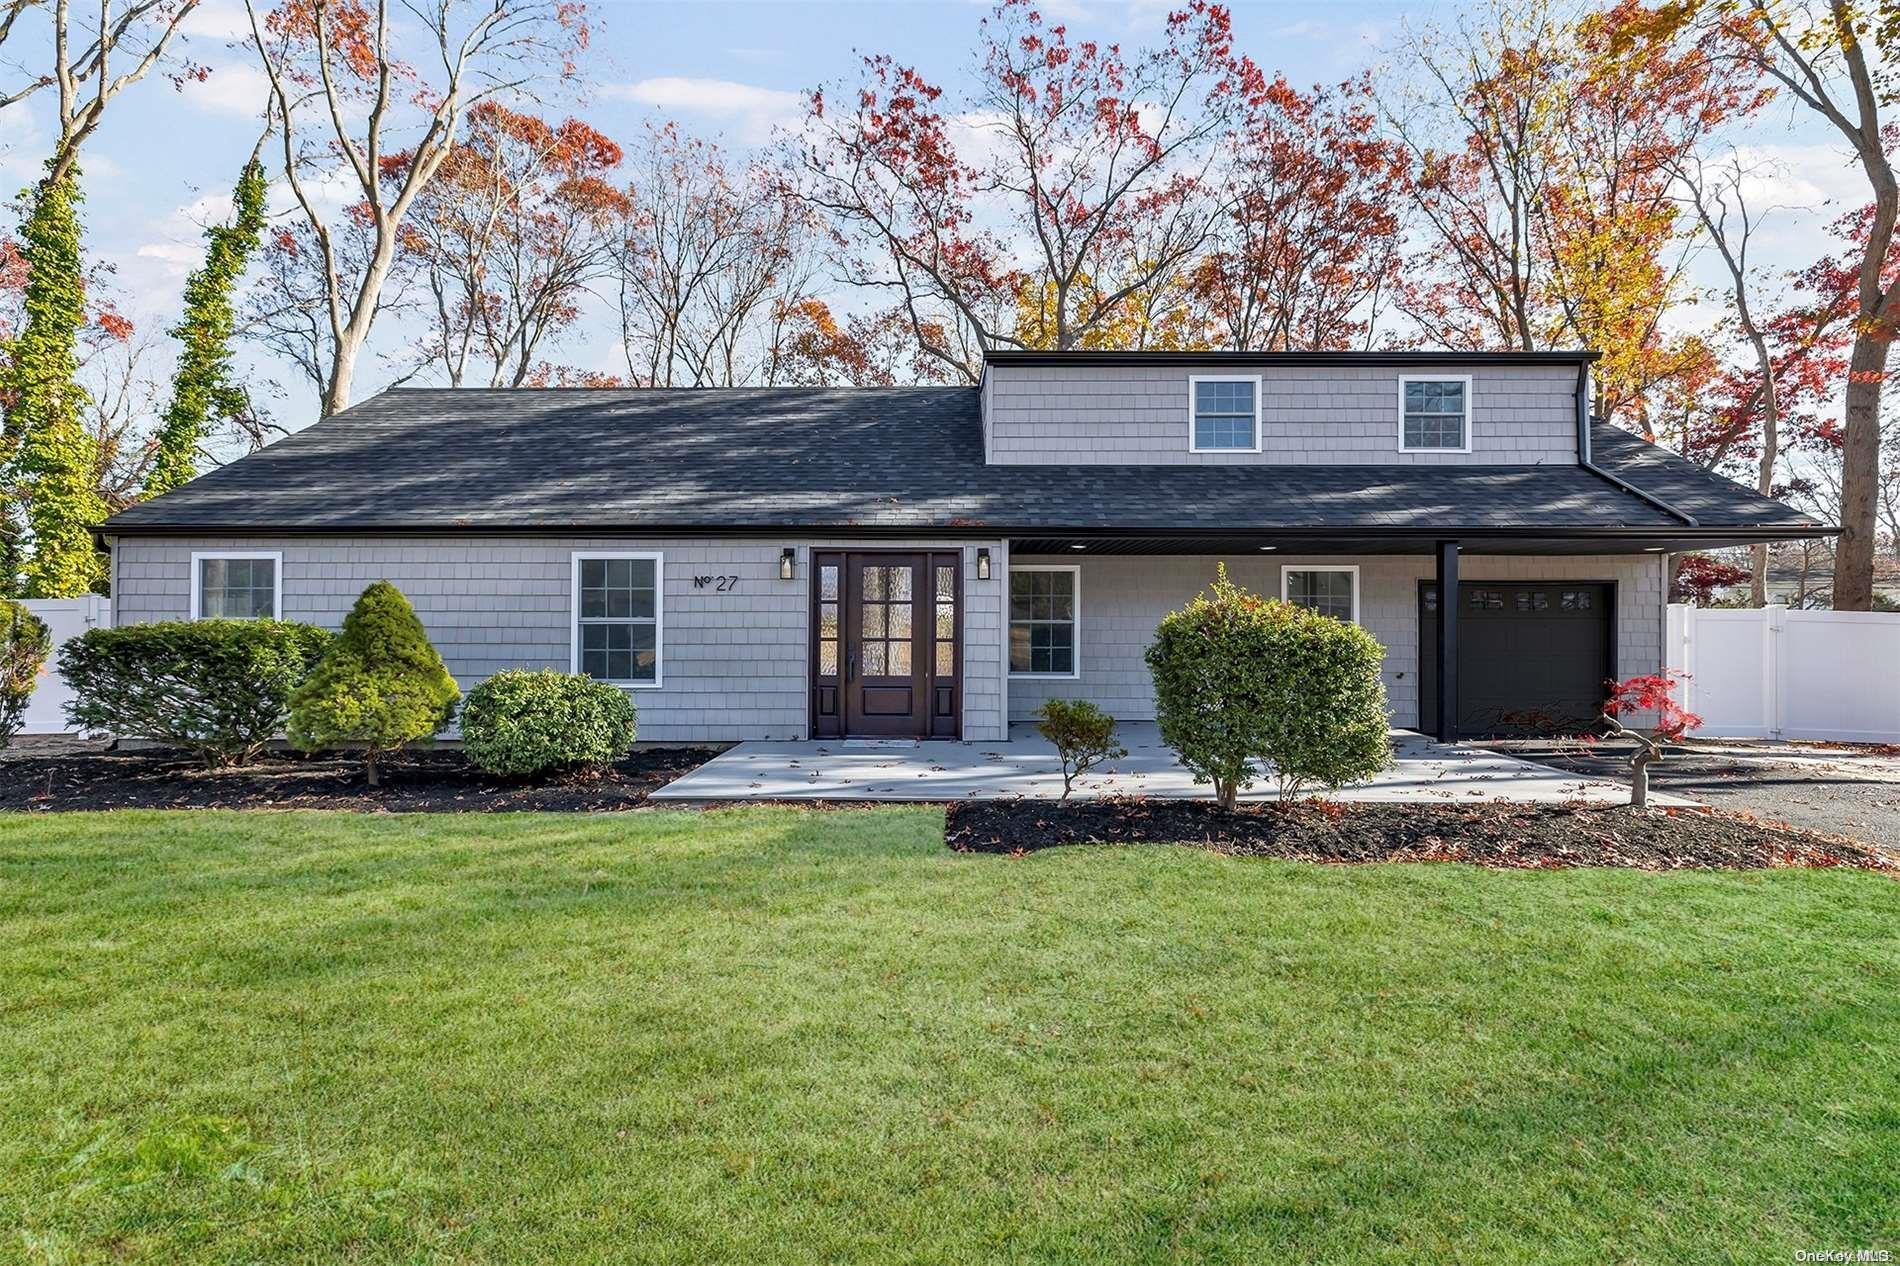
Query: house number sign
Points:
[718, 584]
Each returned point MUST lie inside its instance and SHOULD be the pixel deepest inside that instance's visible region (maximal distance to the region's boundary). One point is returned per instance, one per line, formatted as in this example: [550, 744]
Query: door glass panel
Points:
[828, 582]
[828, 620]
[946, 659]
[946, 620]
[946, 583]
[886, 622]
[827, 659]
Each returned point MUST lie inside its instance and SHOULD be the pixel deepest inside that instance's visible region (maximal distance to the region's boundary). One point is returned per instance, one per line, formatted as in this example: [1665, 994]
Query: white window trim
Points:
[200, 557]
[1471, 421]
[1196, 379]
[1075, 642]
[659, 611]
[1351, 569]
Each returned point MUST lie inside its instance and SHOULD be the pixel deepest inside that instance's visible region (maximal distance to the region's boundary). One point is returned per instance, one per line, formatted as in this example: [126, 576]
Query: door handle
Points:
[851, 664]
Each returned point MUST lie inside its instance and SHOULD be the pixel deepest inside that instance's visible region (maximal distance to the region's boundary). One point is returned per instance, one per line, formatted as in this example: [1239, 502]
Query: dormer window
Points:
[1435, 415]
[1224, 414]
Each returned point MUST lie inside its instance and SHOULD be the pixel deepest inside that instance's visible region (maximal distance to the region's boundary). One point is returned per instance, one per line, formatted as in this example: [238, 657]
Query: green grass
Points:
[775, 1035]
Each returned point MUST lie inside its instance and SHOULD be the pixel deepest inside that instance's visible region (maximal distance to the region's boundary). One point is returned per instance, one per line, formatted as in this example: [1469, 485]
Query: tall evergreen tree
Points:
[54, 453]
[203, 391]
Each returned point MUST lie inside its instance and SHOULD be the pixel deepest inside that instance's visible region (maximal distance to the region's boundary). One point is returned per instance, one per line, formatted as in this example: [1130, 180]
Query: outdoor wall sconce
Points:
[785, 557]
[982, 564]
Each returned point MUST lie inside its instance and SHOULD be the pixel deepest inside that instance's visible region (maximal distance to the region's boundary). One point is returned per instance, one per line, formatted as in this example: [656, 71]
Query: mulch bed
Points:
[422, 781]
[1501, 835]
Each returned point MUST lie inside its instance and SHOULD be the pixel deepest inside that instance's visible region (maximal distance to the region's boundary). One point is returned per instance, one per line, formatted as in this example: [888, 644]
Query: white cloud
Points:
[236, 90]
[1806, 176]
[218, 20]
[750, 111]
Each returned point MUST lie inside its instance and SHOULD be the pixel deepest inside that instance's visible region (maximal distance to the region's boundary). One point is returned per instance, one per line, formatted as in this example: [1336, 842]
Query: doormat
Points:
[880, 742]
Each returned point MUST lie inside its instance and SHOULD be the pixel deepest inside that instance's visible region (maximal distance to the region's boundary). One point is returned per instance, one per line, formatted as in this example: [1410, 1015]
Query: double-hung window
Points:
[1330, 591]
[1224, 414]
[617, 617]
[1043, 605]
[1435, 415]
[241, 585]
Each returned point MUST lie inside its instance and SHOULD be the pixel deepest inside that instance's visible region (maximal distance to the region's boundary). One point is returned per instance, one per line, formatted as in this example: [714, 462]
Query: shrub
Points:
[518, 723]
[24, 646]
[218, 688]
[1241, 679]
[381, 683]
[1083, 734]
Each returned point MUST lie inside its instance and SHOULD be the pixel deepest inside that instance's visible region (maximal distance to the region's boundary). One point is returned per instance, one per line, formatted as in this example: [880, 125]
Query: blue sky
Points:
[161, 165]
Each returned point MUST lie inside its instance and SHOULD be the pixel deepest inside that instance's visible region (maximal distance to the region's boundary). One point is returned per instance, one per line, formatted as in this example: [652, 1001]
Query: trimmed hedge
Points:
[381, 683]
[25, 642]
[520, 723]
[1242, 680]
[219, 688]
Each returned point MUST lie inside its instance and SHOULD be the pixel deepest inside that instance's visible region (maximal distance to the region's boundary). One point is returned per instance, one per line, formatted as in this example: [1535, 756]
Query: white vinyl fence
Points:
[66, 617]
[1776, 673]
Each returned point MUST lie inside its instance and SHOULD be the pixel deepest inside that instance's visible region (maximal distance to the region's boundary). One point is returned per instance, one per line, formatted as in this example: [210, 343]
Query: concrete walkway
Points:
[1026, 766]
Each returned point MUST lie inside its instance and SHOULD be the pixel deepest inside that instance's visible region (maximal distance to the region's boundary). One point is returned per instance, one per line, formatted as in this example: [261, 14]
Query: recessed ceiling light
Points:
[1078, 547]
[1652, 549]
[1269, 547]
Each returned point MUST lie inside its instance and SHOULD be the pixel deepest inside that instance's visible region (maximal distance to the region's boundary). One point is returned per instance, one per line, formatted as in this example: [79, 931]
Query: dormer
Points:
[1281, 408]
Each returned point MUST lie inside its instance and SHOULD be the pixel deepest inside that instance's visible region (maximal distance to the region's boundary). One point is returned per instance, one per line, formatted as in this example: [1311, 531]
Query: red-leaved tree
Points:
[1074, 171]
[1652, 696]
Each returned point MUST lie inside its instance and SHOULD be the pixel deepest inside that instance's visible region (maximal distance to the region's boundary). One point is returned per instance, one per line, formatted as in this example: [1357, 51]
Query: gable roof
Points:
[891, 459]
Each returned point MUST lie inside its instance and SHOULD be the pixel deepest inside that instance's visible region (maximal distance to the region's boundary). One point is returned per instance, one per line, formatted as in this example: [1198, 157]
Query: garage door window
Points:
[1330, 591]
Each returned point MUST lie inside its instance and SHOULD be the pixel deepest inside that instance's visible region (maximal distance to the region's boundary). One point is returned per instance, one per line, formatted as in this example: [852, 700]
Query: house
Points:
[937, 561]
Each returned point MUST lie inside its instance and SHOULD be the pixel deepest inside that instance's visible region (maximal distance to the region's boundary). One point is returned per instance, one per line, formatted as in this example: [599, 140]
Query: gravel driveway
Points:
[1851, 791]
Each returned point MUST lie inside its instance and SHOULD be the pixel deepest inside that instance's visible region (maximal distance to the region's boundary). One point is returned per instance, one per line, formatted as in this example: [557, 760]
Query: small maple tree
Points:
[1652, 694]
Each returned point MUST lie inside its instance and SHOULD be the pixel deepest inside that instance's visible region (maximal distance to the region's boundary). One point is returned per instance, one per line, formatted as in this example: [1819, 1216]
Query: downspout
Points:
[1583, 453]
[1584, 460]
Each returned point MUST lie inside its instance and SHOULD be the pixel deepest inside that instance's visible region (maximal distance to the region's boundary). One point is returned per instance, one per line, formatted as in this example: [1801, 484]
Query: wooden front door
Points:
[886, 645]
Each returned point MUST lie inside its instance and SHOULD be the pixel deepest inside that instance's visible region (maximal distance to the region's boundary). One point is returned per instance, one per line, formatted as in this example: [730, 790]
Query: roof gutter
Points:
[1584, 456]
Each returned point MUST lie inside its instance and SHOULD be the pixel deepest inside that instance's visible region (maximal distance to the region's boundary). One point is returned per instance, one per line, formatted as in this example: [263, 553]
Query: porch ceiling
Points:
[1408, 543]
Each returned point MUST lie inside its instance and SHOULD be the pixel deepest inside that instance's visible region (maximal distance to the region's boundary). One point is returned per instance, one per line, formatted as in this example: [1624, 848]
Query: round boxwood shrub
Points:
[381, 684]
[218, 688]
[1242, 680]
[519, 723]
[24, 645]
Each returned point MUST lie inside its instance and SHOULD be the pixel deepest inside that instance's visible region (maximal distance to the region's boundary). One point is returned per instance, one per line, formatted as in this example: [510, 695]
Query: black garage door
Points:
[1532, 658]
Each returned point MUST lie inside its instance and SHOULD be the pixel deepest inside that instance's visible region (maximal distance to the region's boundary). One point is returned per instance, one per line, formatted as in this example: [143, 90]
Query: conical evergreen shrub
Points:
[380, 684]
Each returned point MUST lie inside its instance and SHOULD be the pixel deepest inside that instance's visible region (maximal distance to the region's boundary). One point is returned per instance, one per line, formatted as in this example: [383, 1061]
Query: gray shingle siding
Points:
[1123, 598]
[734, 664]
[1310, 415]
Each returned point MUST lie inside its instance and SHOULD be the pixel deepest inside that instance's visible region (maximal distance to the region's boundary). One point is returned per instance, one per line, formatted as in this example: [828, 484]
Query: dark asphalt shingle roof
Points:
[844, 458]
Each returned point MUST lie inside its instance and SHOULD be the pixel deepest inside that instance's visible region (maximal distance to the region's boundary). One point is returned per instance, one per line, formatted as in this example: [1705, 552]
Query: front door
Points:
[885, 653]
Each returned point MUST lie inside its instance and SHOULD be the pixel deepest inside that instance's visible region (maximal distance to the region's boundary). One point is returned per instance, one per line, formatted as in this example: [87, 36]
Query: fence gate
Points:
[67, 618]
[1776, 673]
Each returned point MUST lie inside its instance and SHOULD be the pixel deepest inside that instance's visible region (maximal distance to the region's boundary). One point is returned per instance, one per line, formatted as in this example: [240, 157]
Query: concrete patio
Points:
[1026, 766]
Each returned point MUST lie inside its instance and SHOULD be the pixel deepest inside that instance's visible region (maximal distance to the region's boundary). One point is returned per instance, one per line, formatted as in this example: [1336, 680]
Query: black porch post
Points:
[1448, 641]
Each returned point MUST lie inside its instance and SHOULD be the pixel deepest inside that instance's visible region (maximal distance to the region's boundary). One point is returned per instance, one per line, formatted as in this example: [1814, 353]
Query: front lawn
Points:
[770, 1035]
